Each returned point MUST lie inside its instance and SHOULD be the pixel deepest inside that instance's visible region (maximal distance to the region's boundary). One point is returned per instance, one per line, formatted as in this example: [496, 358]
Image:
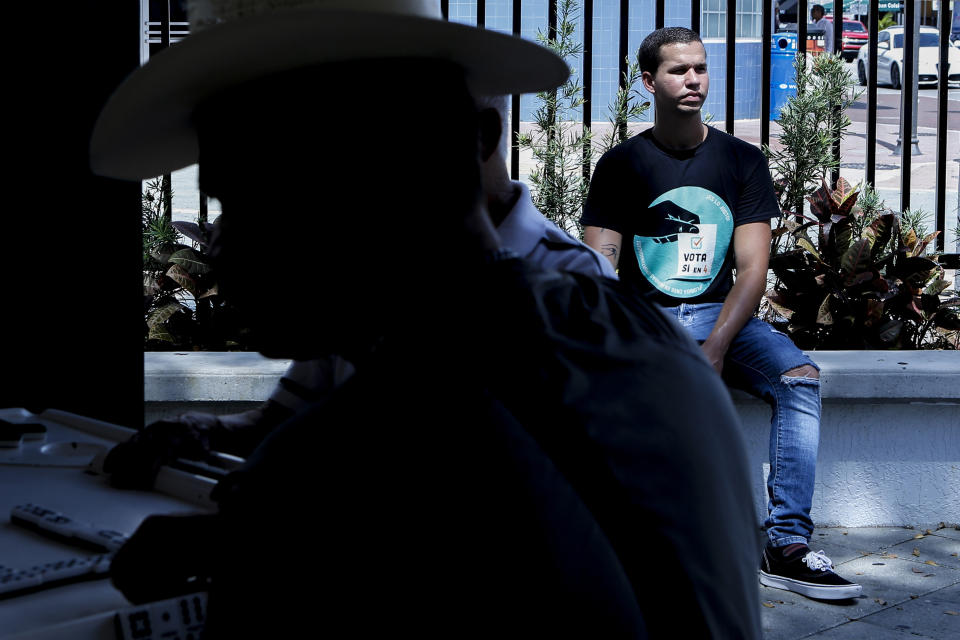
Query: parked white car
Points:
[890, 57]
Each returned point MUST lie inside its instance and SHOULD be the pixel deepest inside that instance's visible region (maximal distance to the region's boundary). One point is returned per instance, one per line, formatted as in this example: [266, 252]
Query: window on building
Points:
[713, 18]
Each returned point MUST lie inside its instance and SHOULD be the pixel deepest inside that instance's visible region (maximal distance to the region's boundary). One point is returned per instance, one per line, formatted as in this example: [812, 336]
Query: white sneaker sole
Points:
[819, 591]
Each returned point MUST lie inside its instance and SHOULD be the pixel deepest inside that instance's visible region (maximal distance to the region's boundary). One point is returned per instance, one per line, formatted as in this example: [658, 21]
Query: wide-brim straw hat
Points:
[146, 128]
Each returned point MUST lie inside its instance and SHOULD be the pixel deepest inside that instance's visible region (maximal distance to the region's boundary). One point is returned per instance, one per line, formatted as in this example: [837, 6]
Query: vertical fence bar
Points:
[552, 19]
[802, 17]
[944, 18]
[731, 62]
[837, 28]
[515, 107]
[906, 108]
[837, 48]
[587, 83]
[549, 170]
[624, 38]
[660, 15]
[481, 14]
[166, 186]
[445, 9]
[695, 15]
[165, 27]
[766, 60]
[870, 170]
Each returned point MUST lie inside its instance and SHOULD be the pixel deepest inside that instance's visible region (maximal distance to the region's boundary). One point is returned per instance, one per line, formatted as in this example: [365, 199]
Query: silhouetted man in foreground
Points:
[519, 226]
[508, 458]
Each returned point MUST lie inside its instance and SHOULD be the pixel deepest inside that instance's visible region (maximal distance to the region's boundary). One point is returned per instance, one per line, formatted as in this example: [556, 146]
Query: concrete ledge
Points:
[880, 376]
[207, 381]
[887, 376]
[889, 438]
[206, 376]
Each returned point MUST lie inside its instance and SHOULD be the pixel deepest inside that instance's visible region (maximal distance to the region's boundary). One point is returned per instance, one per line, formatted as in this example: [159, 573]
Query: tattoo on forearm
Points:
[609, 250]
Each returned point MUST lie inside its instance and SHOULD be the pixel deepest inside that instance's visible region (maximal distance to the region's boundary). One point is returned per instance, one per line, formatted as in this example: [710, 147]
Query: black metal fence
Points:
[908, 96]
[170, 29]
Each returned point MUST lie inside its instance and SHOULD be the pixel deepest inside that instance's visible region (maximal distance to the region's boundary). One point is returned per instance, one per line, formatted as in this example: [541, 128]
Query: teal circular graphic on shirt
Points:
[685, 251]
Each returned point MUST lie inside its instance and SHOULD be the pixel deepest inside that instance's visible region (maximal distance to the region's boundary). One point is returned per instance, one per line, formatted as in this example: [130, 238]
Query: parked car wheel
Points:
[895, 76]
[861, 74]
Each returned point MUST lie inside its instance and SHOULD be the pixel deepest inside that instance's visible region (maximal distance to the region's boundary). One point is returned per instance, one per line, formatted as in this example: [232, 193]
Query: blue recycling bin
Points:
[783, 81]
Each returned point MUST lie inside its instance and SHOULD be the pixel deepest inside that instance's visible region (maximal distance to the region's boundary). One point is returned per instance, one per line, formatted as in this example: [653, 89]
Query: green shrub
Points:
[858, 277]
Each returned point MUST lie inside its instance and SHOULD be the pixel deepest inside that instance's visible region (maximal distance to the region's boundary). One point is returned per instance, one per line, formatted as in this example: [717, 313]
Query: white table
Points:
[57, 474]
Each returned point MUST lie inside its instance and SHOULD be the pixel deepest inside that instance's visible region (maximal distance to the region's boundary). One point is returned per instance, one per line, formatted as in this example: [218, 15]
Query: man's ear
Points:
[647, 79]
[491, 128]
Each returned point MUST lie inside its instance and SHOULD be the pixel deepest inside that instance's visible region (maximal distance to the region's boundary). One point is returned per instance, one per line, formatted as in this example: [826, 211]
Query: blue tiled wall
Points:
[747, 84]
[606, 20]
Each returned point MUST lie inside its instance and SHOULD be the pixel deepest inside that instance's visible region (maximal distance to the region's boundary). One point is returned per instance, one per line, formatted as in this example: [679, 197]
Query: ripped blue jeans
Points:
[756, 362]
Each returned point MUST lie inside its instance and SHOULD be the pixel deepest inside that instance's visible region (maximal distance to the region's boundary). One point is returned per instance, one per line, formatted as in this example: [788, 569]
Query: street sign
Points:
[862, 7]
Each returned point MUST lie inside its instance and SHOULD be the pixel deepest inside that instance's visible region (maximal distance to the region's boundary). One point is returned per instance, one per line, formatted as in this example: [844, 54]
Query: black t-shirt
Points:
[677, 210]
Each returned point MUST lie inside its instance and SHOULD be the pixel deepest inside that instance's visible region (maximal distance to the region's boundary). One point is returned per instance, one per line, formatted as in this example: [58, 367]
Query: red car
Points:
[854, 36]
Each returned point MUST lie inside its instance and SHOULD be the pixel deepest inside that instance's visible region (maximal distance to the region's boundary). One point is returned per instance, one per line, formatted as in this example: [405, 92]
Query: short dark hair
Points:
[649, 53]
[818, 6]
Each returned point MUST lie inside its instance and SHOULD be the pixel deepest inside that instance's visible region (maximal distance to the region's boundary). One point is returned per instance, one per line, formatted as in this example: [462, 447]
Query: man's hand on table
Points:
[134, 464]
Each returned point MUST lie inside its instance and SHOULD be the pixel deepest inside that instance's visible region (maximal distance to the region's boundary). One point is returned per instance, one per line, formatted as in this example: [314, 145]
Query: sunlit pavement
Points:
[911, 588]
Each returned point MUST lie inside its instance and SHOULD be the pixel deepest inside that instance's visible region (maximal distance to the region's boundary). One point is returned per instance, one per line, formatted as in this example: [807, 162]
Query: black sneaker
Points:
[806, 572]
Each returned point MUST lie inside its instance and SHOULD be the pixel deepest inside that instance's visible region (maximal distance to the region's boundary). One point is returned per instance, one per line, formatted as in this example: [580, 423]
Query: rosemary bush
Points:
[562, 148]
[810, 123]
[559, 144]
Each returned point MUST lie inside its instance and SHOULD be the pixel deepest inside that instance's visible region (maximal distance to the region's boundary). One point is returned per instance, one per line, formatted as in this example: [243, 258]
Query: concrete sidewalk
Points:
[911, 588]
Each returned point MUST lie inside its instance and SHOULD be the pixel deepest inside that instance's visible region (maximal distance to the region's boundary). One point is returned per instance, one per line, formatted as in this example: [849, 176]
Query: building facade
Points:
[606, 20]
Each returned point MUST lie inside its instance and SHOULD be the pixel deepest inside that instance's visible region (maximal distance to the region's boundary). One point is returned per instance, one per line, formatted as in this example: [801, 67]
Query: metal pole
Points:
[837, 46]
[622, 67]
[166, 186]
[871, 159]
[802, 18]
[515, 107]
[766, 54]
[908, 96]
[695, 15]
[837, 27]
[730, 100]
[944, 16]
[914, 85]
[587, 82]
[659, 17]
